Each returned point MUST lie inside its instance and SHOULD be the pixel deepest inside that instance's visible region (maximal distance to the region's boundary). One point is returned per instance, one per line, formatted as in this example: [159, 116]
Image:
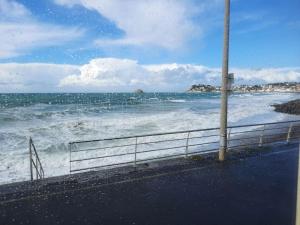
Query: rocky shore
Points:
[291, 107]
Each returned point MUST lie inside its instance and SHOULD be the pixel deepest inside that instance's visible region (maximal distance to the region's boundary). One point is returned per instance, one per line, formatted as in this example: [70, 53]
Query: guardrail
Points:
[35, 163]
[132, 150]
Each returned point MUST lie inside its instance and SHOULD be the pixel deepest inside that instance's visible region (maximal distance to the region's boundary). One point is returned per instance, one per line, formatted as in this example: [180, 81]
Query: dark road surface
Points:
[257, 190]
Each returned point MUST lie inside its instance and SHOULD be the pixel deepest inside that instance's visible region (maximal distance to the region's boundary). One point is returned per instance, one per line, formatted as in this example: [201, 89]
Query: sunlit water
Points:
[53, 120]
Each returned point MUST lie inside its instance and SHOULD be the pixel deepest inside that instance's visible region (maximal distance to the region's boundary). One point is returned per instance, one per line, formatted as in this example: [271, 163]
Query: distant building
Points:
[272, 87]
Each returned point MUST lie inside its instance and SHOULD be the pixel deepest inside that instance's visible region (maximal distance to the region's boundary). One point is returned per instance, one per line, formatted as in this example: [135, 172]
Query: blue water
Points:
[53, 120]
[102, 100]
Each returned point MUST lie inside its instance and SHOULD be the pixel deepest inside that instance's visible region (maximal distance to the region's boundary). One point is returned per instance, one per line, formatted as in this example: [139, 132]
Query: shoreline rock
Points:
[291, 107]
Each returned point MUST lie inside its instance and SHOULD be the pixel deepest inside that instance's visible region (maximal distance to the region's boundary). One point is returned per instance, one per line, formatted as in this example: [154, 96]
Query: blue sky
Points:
[264, 34]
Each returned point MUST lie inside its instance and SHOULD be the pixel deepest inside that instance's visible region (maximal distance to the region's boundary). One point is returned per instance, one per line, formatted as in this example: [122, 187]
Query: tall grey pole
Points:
[224, 91]
[298, 192]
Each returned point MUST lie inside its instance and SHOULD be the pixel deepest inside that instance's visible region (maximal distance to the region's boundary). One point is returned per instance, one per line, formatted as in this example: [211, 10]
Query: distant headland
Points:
[272, 87]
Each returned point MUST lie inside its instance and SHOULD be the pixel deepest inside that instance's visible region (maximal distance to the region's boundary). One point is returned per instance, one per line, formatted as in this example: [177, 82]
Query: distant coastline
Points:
[272, 87]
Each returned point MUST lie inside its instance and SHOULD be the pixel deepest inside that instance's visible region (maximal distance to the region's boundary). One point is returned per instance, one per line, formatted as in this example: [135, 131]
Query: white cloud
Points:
[33, 77]
[267, 75]
[110, 74]
[122, 75]
[20, 32]
[164, 23]
[12, 10]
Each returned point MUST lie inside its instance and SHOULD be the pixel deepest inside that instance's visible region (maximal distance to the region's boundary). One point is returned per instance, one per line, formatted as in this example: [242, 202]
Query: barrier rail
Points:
[132, 150]
[35, 162]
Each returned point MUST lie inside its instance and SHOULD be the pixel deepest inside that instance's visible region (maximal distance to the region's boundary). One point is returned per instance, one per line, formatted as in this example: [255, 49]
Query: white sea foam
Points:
[177, 100]
[52, 127]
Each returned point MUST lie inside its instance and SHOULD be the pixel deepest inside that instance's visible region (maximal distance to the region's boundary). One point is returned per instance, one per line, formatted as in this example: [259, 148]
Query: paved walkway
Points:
[257, 190]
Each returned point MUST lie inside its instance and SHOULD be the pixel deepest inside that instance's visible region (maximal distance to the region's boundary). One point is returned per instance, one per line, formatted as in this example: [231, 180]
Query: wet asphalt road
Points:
[258, 190]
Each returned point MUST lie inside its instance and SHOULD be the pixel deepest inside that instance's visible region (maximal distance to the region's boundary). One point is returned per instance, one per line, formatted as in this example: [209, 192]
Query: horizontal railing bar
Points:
[271, 135]
[126, 163]
[293, 137]
[205, 143]
[186, 131]
[140, 136]
[246, 138]
[270, 138]
[207, 136]
[101, 157]
[249, 131]
[233, 139]
[237, 146]
[203, 152]
[144, 160]
[102, 148]
[161, 149]
[140, 152]
[142, 143]
[252, 145]
[110, 156]
[258, 136]
[175, 147]
[108, 165]
[278, 142]
[256, 144]
[169, 156]
[170, 148]
[270, 142]
[161, 141]
[162, 157]
[175, 156]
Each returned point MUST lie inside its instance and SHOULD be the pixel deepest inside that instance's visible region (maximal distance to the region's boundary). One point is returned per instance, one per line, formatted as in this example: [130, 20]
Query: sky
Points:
[156, 45]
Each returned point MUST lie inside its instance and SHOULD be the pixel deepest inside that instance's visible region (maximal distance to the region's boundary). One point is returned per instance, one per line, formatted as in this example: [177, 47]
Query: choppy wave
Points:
[177, 100]
[72, 117]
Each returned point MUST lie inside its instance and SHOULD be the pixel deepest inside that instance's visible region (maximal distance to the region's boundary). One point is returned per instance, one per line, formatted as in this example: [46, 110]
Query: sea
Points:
[53, 120]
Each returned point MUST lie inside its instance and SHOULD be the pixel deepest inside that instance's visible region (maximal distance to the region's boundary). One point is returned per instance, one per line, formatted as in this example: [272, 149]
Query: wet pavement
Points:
[256, 190]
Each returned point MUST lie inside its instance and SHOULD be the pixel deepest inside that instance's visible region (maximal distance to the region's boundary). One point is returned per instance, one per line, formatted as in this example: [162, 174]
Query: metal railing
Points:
[132, 150]
[35, 163]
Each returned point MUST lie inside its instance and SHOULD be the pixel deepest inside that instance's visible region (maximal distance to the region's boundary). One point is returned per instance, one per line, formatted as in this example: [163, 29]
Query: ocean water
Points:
[53, 120]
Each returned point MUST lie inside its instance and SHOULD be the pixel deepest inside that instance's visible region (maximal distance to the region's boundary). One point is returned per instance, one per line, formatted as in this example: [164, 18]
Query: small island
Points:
[272, 87]
[139, 91]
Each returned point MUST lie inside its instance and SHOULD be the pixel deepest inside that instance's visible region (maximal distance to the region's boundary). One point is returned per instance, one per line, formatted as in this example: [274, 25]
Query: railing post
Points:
[289, 133]
[228, 138]
[261, 137]
[37, 167]
[30, 158]
[187, 145]
[135, 150]
[70, 156]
